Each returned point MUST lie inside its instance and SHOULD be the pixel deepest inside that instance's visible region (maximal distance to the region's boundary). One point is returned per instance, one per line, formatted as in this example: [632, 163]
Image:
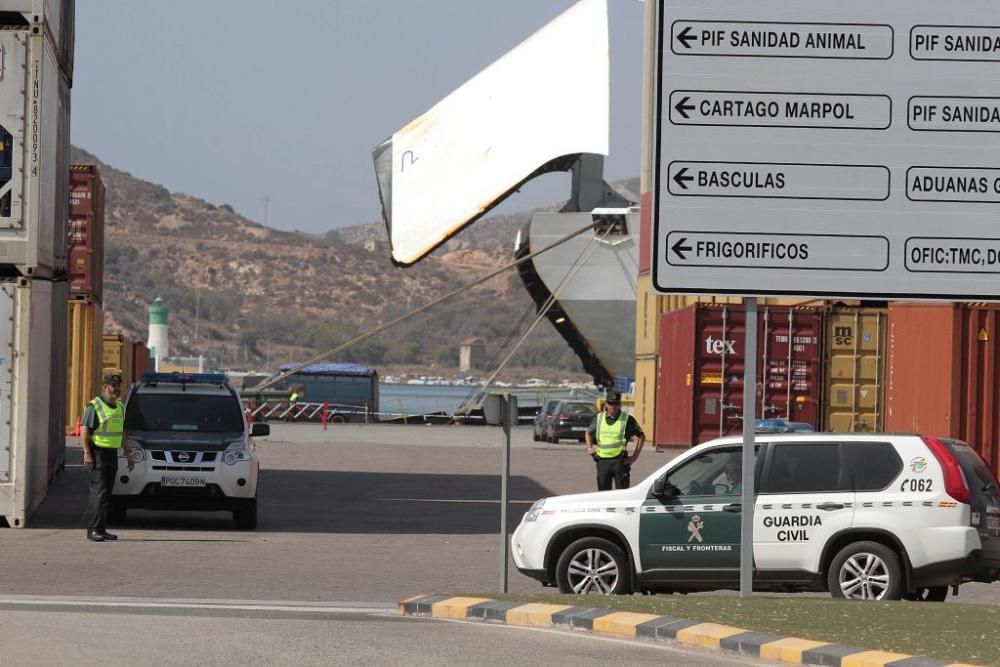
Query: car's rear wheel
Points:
[534, 435]
[245, 514]
[866, 571]
[593, 565]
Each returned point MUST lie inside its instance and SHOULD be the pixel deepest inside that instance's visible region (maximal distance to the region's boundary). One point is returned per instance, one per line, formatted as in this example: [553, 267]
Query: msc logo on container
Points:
[843, 335]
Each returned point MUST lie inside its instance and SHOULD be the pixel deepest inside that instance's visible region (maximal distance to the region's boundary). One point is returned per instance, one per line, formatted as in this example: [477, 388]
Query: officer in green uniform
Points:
[607, 443]
[101, 437]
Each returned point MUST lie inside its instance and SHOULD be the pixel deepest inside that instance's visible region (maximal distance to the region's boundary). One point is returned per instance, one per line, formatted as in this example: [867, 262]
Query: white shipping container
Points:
[56, 19]
[34, 156]
[59, 367]
[26, 391]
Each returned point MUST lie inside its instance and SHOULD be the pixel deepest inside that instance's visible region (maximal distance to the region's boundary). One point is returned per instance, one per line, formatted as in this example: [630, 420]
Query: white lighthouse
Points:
[157, 342]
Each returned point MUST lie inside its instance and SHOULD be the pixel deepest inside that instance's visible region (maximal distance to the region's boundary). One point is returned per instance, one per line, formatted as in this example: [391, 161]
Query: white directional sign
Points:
[820, 148]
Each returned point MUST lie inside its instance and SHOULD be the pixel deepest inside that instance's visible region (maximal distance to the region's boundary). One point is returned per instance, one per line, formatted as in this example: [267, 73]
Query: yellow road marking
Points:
[789, 649]
[454, 607]
[706, 634]
[534, 614]
[621, 623]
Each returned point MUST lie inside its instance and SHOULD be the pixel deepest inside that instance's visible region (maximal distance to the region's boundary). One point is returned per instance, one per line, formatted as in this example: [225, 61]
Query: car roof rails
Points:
[183, 379]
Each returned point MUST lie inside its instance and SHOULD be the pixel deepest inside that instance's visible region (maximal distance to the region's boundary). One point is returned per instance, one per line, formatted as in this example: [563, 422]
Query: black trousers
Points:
[102, 483]
[612, 469]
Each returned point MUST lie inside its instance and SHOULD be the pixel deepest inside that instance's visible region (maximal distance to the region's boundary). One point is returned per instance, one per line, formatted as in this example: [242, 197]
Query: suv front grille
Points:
[189, 460]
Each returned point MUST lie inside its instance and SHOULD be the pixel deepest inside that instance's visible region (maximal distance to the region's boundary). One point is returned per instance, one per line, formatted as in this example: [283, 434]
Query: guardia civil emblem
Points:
[694, 527]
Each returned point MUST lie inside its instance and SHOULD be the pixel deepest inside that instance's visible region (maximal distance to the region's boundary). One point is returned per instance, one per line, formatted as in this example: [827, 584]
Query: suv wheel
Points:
[593, 565]
[245, 514]
[534, 435]
[865, 571]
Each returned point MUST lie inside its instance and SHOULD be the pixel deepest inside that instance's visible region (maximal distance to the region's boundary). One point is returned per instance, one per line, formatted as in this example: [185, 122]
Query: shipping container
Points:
[647, 311]
[34, 155]
[854, 353]
[86, 231]
[140, 360]
[644, 398]
[59, 378]
[117, 355]
[86, 331]
[700, 388]
[55, 19]
[943, 374]
[26, 395]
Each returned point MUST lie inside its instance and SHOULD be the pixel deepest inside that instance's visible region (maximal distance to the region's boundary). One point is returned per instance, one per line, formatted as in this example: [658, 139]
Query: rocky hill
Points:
[253, 297]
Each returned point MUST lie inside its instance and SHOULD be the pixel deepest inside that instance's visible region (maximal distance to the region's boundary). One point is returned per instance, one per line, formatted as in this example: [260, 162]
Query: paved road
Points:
[373, 513]
[341, 638]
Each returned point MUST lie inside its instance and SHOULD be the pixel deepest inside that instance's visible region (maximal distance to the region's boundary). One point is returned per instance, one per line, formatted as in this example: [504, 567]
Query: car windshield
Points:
[578, 409]
[183, 412]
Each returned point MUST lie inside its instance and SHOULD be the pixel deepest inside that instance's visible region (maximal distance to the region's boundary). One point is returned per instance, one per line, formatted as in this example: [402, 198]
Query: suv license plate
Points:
[579, 428]
[182, 481]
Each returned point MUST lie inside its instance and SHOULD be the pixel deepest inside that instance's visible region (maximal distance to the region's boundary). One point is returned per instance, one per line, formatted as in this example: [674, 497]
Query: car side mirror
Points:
[259, 429]
[661, 489]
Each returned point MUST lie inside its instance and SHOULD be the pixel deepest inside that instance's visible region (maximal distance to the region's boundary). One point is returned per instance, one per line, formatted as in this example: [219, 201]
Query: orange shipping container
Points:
[117, 355]
[140, 360]
[86, 328]
[943, 373]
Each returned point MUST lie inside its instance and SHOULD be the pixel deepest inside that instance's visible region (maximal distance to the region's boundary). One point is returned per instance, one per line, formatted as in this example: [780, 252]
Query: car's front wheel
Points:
[593, 565]
[245, 514]
[866, 571]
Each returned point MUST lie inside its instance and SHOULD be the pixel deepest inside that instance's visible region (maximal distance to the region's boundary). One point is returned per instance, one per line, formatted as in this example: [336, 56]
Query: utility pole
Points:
[197, 312]
[267, 202]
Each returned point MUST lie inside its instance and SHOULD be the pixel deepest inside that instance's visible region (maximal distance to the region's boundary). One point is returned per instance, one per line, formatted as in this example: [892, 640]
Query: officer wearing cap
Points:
[101, 437]
[607, 443]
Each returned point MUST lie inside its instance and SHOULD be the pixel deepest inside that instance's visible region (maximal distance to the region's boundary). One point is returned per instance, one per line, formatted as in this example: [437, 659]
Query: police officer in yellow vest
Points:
[101, 437]
[607, 442]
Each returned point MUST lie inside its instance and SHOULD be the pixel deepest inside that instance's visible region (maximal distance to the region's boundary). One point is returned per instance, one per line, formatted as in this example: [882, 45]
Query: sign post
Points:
[502, 409]
[749, 408]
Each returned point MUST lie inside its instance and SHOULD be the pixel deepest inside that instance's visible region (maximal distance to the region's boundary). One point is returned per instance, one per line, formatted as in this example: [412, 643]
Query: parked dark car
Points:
[541, 419]
[569, 419]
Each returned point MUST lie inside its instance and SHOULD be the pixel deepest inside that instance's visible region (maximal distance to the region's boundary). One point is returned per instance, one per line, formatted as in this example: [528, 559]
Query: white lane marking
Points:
[195, 605]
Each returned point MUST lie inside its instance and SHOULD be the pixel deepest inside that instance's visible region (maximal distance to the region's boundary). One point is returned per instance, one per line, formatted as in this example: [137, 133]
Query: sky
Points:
[233, 101]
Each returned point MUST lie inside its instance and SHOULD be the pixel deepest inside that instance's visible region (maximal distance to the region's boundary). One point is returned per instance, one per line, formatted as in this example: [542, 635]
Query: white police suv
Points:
[192, 448]
[865, 516]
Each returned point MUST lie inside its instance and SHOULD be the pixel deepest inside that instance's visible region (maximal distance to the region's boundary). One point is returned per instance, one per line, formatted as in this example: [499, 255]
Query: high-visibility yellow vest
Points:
[294, 397]
[611, 437]
[111, 424]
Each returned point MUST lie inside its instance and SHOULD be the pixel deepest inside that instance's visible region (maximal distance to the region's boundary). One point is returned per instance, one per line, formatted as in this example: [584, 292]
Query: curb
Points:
[683, 632]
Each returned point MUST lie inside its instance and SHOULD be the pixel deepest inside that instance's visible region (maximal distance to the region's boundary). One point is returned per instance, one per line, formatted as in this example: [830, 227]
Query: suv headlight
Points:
[535, 510]
[236, 452]
[135, 450]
